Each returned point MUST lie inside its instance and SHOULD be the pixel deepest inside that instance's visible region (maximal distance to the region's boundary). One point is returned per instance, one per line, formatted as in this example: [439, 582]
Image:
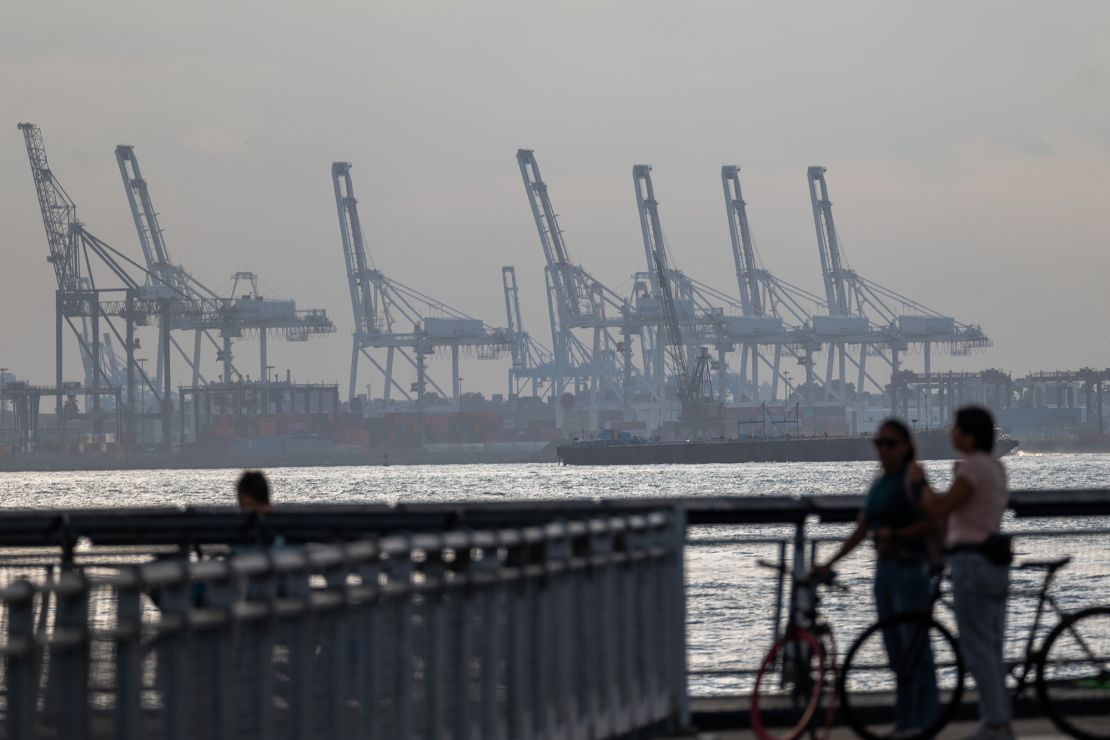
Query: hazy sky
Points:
[968, 147]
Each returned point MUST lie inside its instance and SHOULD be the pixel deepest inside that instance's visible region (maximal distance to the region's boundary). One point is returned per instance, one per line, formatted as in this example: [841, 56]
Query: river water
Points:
[730, 600]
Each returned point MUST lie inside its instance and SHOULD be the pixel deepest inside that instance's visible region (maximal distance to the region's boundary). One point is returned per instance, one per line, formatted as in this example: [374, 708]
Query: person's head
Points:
[973, 430]
[253, 491]
[894, 445]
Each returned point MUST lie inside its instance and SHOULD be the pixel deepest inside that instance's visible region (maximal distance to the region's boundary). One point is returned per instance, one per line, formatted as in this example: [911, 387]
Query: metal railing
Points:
[507, 620]
[571, 628]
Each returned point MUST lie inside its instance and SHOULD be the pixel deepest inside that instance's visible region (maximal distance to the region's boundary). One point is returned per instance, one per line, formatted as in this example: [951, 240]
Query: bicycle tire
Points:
[815, 691]
[854, 714]
[1085, 690]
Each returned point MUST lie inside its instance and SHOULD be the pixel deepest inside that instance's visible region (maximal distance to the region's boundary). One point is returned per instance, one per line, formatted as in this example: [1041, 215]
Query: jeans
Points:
[903, 586]
[979, 590]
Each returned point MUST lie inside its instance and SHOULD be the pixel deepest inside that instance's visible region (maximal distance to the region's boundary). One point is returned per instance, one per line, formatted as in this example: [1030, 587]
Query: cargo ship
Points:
[931, 445]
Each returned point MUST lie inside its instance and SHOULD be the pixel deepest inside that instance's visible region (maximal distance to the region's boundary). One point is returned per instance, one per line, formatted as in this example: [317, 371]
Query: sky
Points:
[967, 147]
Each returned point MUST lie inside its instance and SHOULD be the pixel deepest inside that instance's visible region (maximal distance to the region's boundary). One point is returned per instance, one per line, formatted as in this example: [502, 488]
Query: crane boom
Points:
[660, 272]
[743, 250]
[512, 314]
[59, 213]
[151, 238]
[832, 266]
[354, 250]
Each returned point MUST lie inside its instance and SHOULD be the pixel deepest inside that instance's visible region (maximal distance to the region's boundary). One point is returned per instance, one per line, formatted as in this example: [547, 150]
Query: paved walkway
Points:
[1029, 729]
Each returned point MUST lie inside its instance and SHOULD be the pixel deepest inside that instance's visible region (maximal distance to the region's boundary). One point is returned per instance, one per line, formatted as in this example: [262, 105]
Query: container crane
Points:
[579, 301]
[776, 313]
[532, 363]
[242, 312]
[74, 251]
[699, 306]
[382, 306]
[691, 376]
[866, 314]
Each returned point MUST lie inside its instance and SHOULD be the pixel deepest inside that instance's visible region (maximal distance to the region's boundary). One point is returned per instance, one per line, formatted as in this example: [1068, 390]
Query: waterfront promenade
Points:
[517, 620]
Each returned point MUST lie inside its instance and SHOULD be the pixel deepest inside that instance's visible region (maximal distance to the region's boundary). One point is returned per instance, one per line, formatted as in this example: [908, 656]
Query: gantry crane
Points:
[691, 373]
[384, 310]
[244, 312]
[874, 318]
[579, 301]
[532, 363]
[74, 251]
[776, 313]
[708, 316]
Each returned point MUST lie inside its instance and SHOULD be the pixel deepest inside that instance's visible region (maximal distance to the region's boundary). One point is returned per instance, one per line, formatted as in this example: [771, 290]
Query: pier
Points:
[484, 620]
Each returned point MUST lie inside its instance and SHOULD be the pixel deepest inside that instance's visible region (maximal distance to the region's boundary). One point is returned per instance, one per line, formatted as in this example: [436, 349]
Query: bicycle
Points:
[1070, 671]
[804, 658]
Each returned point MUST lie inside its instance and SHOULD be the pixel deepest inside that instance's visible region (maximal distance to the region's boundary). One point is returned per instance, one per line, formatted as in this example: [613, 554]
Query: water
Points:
[730, 599]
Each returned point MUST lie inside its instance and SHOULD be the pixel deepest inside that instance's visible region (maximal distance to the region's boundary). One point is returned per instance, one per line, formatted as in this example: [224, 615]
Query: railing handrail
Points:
[300, 523]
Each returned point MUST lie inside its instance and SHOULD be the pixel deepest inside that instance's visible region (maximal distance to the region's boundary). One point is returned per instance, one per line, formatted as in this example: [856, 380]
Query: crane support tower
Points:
[244, 312]
[870, 317]
[533, 364]
[775, 312]
[577, 301]
[385, 309]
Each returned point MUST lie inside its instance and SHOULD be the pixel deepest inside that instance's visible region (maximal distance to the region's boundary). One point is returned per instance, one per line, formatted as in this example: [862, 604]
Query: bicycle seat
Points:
[1049, 565]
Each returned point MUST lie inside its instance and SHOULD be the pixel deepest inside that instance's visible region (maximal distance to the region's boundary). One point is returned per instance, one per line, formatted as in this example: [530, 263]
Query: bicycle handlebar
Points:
[828, 580]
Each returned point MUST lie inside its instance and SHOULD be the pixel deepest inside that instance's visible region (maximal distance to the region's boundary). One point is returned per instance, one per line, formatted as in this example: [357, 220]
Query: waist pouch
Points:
[997, 548]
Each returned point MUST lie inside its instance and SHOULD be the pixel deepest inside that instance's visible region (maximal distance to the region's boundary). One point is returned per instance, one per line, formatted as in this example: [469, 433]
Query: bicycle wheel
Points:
[1073, 674]
[788, 687]
[880, 696]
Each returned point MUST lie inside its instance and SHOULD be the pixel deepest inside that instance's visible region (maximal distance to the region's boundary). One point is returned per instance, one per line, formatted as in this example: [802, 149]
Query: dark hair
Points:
[978, 422]
[902, 432]
[253, 485]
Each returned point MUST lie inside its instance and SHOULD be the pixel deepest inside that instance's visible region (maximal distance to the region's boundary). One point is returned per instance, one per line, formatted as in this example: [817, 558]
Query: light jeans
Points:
[979, 590]
[903, 586]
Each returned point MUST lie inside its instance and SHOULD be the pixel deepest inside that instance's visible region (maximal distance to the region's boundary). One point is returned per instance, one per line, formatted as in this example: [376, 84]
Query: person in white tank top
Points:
[978, 560]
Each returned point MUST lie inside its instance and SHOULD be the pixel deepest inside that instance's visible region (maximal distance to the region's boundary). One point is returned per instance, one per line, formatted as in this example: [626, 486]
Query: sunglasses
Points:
[886, 443]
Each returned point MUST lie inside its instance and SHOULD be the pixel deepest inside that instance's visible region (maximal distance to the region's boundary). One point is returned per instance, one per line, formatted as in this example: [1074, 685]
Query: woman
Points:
[979, 558]
[893, 514]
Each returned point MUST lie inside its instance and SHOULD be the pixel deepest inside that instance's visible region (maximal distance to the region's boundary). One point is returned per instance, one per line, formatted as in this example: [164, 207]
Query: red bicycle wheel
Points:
[798, 660]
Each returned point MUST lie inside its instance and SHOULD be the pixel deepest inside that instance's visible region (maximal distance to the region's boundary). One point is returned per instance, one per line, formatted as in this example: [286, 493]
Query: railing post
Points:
[399, 568]
[368, 614]
[678, 600]
[433, 599]
[518, 709]
[174, 605]
[69, 646]
[129, 659]
[461, 605]
[487, 577]
[22, 694]
[335, 650]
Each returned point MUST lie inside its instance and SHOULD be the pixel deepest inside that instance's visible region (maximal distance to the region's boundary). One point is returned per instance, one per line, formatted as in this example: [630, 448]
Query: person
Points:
[892, 515]
[979, 559]
[253, 491]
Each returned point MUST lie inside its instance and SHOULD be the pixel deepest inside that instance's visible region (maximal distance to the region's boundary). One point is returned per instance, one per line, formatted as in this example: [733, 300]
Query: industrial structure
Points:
[244, 312]
[391, 316]
[98, 286]
[670, 357]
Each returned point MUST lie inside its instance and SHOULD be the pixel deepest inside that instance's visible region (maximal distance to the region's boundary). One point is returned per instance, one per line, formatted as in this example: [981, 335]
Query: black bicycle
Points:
[1069, 670]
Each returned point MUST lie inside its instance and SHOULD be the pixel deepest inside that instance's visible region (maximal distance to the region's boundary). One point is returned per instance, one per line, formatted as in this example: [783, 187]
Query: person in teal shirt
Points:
[893, 517]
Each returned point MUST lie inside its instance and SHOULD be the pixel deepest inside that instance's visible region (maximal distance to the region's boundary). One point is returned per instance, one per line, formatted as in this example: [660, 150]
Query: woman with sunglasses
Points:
[892, 514]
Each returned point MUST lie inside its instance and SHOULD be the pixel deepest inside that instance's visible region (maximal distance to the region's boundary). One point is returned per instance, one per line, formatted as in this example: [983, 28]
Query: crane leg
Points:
[388, 374]
[595, 378]
[456, 384]
[351, 386]
[196, 356]
[58, 357]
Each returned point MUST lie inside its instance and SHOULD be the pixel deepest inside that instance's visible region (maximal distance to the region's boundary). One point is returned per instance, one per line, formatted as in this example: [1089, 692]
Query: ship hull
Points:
[799, 449]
